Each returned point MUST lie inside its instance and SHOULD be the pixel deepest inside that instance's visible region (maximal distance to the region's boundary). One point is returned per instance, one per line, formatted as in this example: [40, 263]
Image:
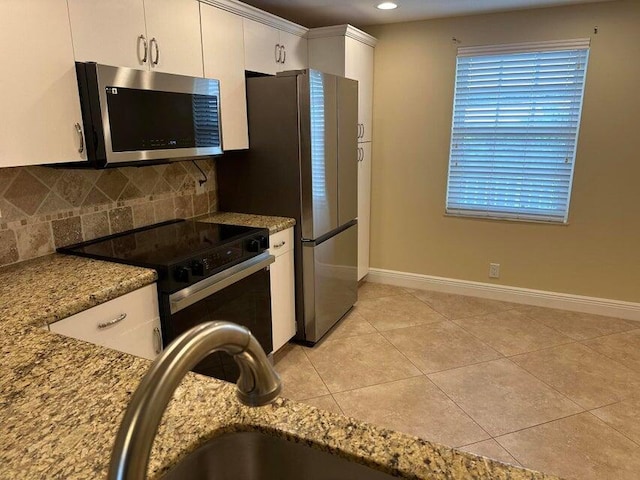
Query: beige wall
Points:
[598, 253]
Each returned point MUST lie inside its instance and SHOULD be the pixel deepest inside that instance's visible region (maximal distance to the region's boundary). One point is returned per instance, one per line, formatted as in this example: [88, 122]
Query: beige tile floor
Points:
[547, 389]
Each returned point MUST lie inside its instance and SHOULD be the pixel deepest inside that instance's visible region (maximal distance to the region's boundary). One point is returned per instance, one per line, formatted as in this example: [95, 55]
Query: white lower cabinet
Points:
[130, 324]
[283, 316]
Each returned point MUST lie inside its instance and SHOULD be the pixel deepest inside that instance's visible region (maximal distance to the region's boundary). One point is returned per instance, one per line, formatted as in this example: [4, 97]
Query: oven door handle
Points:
[196, 292]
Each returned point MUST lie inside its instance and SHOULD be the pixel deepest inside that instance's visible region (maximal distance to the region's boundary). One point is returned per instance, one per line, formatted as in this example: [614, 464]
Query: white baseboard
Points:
[527, 296]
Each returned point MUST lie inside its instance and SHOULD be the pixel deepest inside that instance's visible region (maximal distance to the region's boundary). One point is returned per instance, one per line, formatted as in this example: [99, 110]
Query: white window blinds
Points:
[516, 116]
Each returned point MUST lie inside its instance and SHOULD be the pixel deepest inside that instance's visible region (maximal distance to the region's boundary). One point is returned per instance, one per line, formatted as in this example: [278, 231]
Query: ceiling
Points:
[321, 13]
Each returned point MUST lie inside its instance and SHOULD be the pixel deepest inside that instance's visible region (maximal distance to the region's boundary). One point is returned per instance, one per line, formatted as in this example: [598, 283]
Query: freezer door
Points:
[347, 94]
[319, 153]
[330, 278]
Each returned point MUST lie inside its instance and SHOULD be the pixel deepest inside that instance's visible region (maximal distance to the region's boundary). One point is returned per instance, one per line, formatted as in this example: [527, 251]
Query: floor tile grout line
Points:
[583, 409]
[496, 437]
[608, 356]
[551, 386]
[458, 295]
[440, 389]
[569, 340]
[564, 395]
[317, 372]
[376, 384]
[501, 446]
[614, 428]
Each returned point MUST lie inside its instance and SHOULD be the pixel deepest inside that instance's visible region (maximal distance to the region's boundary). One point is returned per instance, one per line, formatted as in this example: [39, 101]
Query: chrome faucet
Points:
[258, 385]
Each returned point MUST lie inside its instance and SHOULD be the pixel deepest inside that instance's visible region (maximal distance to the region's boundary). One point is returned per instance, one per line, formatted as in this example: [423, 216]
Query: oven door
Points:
[240, 294]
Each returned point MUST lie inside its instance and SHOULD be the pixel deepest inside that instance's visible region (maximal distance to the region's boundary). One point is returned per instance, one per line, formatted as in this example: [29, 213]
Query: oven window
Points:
[247, 302]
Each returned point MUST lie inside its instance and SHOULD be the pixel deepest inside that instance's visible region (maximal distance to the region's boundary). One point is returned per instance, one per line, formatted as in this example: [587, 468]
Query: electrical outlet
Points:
[201, 187]
[494, 270]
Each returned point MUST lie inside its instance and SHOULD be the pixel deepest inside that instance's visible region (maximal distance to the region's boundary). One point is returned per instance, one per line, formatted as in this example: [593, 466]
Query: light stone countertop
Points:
[274, 224]
[61, 400]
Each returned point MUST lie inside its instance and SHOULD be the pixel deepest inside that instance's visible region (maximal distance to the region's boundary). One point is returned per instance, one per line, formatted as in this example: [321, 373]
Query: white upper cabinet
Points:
[270, 50]
[261, 47]
[162, 35]
[347, 51]
[359, 66]
[294, 52]
[173, 30]
[223, 53]
[111, 33]
[39, 103]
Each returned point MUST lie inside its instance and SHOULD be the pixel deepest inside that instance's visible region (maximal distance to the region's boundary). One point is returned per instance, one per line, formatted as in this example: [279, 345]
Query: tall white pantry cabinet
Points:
[345, 50]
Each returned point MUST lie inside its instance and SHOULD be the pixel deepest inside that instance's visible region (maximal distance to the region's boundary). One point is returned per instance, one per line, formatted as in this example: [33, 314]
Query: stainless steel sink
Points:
[259, 456]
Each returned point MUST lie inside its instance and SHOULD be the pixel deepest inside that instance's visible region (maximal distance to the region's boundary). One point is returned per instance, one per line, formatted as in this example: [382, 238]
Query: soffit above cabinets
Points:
[320, 13]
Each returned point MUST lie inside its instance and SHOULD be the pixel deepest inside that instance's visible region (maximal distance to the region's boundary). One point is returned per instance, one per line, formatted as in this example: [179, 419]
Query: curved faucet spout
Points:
[258, 385]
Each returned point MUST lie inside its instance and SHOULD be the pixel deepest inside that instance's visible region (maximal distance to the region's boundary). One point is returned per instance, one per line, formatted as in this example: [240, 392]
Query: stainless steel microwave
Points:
[140, 117]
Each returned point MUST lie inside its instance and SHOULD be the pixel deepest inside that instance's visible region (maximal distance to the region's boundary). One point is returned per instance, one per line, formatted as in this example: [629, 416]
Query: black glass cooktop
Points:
[163, 244]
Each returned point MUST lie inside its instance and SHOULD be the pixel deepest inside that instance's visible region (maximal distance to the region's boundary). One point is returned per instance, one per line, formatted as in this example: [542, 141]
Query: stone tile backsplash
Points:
[42, 208]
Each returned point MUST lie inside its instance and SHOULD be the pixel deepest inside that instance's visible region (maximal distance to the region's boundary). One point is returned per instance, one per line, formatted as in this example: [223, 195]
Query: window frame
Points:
[521, 215]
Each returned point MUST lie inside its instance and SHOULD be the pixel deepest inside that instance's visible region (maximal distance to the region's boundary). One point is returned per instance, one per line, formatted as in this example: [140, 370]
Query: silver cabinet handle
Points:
[280, 245]
[154, 42]
[284, 54]
[157, 340]
[277, 53]
[79, 130]
[118, 319]
[146, 47]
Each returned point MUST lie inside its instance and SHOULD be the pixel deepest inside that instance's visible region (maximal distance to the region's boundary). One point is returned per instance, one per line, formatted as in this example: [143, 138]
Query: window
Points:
[516, 115]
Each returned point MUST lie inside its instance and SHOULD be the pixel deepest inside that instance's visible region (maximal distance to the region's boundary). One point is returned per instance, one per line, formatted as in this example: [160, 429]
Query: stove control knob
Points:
[197, 268]
[253, 245]
[181, 274]
[264, 241]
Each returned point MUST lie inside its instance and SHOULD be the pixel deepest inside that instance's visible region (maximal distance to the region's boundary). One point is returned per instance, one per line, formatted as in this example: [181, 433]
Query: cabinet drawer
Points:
[281, 242]
[105, 324]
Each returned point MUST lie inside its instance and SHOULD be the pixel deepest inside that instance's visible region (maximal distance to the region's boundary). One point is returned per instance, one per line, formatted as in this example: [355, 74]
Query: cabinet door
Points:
[283, 319]
[223, 52]
[38, 88]
[260, 47]
[359, 66]
[109, 32]
[126, 324]
[175, 43]
[364, 207]
[294, 55]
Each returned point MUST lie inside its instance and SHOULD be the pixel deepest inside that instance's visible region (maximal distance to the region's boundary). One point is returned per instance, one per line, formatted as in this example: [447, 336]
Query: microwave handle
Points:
[190, 295]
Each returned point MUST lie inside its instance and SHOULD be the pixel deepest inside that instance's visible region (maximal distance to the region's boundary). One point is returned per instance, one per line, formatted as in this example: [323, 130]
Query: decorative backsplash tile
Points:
[42, 208]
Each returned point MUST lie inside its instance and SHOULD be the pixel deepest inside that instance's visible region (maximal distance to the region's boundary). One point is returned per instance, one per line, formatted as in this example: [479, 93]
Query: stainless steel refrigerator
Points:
[302, 163]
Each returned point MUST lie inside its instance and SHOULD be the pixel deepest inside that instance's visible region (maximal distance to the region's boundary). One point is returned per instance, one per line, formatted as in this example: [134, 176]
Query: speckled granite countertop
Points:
[47, 289]
[274, 224]
[61, 400]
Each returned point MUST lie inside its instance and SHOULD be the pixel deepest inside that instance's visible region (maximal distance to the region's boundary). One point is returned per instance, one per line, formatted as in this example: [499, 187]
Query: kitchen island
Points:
[62, 399]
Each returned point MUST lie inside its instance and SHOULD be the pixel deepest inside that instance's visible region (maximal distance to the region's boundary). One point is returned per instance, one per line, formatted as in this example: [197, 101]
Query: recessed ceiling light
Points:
[387, 6]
